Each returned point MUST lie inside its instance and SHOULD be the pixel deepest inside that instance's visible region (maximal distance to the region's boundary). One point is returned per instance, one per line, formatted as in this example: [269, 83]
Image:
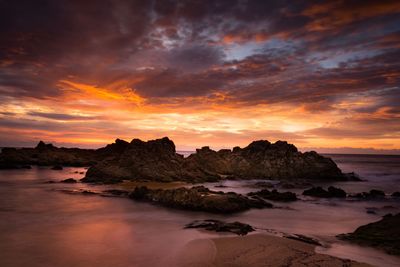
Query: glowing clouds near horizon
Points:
[218, 73]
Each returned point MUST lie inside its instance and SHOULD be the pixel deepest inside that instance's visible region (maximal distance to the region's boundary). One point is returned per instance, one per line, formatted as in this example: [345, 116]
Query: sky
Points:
[323, 75]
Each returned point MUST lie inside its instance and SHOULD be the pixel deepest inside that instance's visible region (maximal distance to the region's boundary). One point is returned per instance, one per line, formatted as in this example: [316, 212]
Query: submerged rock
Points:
[396, 194]
[275, 195]
[332, 192]
[69, 181]
[220, 226]
[304, 239]
[57, 167]
[115, 193]
[383, 234]
[198, 198]
[372, 194]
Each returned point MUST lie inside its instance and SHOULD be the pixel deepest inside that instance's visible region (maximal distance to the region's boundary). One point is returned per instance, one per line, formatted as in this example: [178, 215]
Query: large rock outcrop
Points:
[157, 160]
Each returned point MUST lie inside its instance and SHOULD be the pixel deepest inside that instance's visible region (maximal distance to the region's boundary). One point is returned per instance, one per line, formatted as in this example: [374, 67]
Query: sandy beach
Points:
[256, 250]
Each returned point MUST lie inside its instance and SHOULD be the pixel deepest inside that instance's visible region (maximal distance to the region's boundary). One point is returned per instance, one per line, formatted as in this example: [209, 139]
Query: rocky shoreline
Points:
[157, 160]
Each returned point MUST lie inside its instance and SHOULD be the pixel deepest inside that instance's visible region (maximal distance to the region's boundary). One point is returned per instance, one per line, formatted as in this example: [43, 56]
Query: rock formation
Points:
[384, 234]
[372, 194]
[220, 226]
[275, 195]
[157, 160]
[330, 193]
[198, 198]
[46, 155]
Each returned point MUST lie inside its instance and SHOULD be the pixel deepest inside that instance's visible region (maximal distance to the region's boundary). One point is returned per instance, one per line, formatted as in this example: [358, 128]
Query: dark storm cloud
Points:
[181, 46]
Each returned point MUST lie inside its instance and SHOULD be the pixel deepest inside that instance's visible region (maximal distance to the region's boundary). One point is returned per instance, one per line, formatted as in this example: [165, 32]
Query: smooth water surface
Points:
[43, 226]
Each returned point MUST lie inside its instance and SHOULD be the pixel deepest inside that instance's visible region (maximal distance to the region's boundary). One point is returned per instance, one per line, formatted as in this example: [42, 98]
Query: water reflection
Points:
[43, 227]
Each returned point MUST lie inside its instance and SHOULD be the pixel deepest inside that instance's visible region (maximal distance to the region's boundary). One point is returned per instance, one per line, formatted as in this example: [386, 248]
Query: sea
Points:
[41, 224]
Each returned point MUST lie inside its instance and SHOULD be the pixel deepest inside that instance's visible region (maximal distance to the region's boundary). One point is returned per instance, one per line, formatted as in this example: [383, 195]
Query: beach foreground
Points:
[256, 250]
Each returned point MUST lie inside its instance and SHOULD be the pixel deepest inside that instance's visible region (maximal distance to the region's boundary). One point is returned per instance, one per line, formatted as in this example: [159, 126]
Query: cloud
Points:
[308, 71]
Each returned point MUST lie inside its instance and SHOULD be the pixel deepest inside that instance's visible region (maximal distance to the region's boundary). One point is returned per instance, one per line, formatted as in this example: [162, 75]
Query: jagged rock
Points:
[69, 181]
[320, 192]
[154, 160]
[198, 198]
[157, 160]
[383, 234]
[220, 226]
[275, 195]
[372, 194]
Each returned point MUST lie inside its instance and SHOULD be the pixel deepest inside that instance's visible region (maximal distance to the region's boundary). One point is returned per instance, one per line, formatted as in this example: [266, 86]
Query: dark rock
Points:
[220, 226]
[88, 192]
[275, 195]
[11, 165]
[198, 198]
[304, 239]
[47, 155]
[396, 194]
[50, 182]
[352, 176]
[77, 192]
[383, 234]
[372, 194]
[115, 193]
[264, 184]
[294, 184]
[69, 181]
[371, 210]
[332, 192]
[157, 160]
[316, 192]
[336, 192]
[57, 167]
[26, 167]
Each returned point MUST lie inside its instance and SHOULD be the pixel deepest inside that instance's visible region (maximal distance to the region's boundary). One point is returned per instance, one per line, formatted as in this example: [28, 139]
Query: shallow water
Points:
[41, 226]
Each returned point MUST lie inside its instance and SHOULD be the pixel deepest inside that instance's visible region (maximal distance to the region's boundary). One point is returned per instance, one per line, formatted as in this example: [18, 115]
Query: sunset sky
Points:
[323, 75]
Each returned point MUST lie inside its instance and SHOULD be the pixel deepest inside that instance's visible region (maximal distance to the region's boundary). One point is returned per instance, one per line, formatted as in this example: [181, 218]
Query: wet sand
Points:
[256, 250]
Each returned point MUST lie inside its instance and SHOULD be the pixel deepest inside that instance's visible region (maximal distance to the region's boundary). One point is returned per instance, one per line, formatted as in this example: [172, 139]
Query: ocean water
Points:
[40, 225]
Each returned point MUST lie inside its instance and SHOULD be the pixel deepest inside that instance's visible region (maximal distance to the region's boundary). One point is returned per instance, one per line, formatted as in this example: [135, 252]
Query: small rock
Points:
[220, 226]
[115, 193]
[304, 239]
[69, 181]
[372, 194]
[396, 194]
[275, 195]
[57, 167]
[330, 193]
